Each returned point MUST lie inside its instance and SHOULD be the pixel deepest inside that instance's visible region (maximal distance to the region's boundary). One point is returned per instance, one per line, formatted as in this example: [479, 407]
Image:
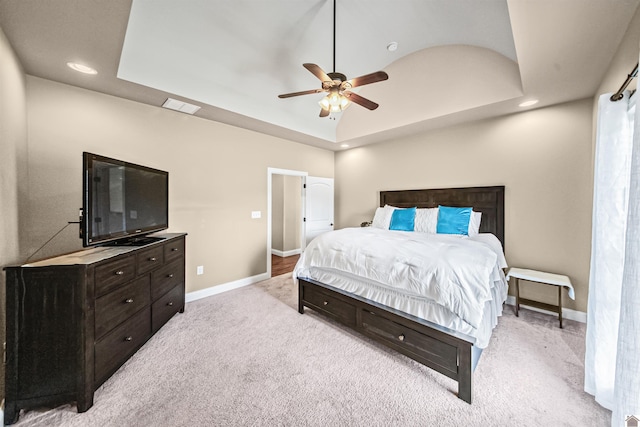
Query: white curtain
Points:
[627, 383]
[612, 359]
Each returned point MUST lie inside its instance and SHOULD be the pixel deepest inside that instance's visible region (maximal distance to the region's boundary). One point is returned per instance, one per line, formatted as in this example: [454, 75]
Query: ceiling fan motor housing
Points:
[337, 76]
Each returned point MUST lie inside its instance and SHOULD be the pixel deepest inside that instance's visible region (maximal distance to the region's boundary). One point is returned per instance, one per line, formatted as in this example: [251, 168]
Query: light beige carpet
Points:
[247, 358]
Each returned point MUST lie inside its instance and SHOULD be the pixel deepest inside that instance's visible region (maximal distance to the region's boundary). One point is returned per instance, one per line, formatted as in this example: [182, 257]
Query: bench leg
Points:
[517, 296]
[560, 305]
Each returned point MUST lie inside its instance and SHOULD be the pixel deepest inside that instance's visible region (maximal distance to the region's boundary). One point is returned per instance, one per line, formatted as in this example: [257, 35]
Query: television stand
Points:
[73, 320]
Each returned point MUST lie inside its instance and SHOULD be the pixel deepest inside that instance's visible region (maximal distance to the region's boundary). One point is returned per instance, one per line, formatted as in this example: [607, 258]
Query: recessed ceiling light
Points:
[528, 103]
[391, 47]
[81, 68]
[345, 146]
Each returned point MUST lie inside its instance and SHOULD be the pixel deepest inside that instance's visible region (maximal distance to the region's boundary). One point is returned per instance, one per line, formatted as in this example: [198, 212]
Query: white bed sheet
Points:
[453, 281]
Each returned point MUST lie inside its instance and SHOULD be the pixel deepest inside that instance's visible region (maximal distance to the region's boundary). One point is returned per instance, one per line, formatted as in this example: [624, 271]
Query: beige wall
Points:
[542, 157]
[292, 219]
[285, 212]
[277, 212]
[217, 174]
[13, 146]
[13, 167]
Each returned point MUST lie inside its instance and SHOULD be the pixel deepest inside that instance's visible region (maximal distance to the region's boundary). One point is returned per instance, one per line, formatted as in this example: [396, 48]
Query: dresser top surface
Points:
[100, 253]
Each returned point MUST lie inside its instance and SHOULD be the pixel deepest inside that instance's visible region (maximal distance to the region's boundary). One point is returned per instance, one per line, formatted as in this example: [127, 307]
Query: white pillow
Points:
[426, 220]
[474, 223]
[382, 217]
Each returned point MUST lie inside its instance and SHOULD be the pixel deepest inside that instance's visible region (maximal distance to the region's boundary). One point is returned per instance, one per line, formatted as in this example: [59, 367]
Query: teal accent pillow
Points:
[403, 219]
[453, 220]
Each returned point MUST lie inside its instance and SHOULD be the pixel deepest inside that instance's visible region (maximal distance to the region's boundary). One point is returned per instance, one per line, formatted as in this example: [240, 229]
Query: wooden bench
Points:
[558, 280]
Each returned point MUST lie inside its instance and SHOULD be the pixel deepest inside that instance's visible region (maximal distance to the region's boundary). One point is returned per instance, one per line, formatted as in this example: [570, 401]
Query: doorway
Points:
[285, 219]
[299, 208]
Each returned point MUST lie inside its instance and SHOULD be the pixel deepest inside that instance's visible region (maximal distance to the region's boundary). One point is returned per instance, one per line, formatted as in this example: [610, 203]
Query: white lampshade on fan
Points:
[334, 102]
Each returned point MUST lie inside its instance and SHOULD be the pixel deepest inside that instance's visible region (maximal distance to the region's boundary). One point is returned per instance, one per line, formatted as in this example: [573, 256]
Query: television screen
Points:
[121, 200]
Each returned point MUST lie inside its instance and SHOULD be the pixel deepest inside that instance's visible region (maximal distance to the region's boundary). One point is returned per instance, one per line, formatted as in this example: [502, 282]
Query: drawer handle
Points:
[170, 303]
[401, 337]
[129, 338]
[174, 249]
[325, 303]
[128, 300]
[153, 259]
[170, 275]
[119, 273]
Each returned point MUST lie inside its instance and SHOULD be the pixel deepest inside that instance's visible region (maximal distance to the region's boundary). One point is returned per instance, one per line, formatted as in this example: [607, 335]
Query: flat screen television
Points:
[122, 202]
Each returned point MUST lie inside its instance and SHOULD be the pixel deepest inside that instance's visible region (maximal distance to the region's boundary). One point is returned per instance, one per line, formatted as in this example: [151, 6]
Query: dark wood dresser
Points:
[73, 320]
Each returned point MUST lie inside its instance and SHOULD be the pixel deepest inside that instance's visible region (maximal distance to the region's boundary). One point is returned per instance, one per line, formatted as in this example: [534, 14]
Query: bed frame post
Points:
[300, 297]
[465, 377]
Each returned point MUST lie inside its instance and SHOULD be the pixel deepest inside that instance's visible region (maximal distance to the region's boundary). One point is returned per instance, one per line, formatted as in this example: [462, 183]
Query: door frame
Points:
[270, 173]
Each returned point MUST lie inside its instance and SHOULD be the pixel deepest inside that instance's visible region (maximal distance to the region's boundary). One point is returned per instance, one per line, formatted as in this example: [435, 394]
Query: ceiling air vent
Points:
[183, 107]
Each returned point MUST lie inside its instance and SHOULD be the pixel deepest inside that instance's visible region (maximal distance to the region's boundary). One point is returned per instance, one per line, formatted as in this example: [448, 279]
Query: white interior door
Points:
[318, 207]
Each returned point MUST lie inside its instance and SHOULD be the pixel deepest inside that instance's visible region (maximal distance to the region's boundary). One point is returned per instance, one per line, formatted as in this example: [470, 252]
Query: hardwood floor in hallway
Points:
[280, 265]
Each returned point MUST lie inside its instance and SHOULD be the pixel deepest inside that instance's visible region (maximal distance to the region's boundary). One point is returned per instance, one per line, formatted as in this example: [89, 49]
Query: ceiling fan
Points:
[336, 84]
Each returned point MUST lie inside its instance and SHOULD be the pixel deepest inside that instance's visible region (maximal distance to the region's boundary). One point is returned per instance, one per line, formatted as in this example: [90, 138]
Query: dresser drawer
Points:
[117, 306]
[174, 250]
[334, 307]
[166, 278]
[120, 343]
[409, 340]
[111, 275]
[166, 306]
[149, 259]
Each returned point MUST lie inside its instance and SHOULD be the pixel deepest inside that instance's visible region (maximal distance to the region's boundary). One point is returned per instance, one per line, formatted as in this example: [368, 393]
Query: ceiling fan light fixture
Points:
[335, 102]
[324, 103]
[344, 102]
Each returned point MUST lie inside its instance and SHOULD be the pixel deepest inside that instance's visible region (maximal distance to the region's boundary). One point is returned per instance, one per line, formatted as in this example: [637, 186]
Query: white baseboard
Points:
[214, 290]
[567, 313]
[285, 254]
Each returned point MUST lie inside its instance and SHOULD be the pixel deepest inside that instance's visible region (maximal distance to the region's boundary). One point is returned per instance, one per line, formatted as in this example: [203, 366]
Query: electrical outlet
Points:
[200, 270]
[256, 214]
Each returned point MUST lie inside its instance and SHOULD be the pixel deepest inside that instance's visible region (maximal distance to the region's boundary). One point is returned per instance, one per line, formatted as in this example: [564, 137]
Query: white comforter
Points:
[455, 272]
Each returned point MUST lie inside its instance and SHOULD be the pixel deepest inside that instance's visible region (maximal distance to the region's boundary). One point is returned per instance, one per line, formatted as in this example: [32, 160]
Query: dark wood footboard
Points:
[446, 352]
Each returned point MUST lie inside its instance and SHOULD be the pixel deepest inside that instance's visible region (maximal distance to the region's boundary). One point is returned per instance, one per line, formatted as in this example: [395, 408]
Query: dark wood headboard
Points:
[488, 200]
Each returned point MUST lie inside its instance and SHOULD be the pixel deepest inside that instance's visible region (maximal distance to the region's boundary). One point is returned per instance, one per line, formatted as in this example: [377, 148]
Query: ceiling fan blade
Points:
[354, 97]
[378, 76]
[323, 112]
[317, 71]
[304, 92]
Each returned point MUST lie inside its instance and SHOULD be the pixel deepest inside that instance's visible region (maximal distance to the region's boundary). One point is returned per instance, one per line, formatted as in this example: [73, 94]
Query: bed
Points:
[448, 339]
